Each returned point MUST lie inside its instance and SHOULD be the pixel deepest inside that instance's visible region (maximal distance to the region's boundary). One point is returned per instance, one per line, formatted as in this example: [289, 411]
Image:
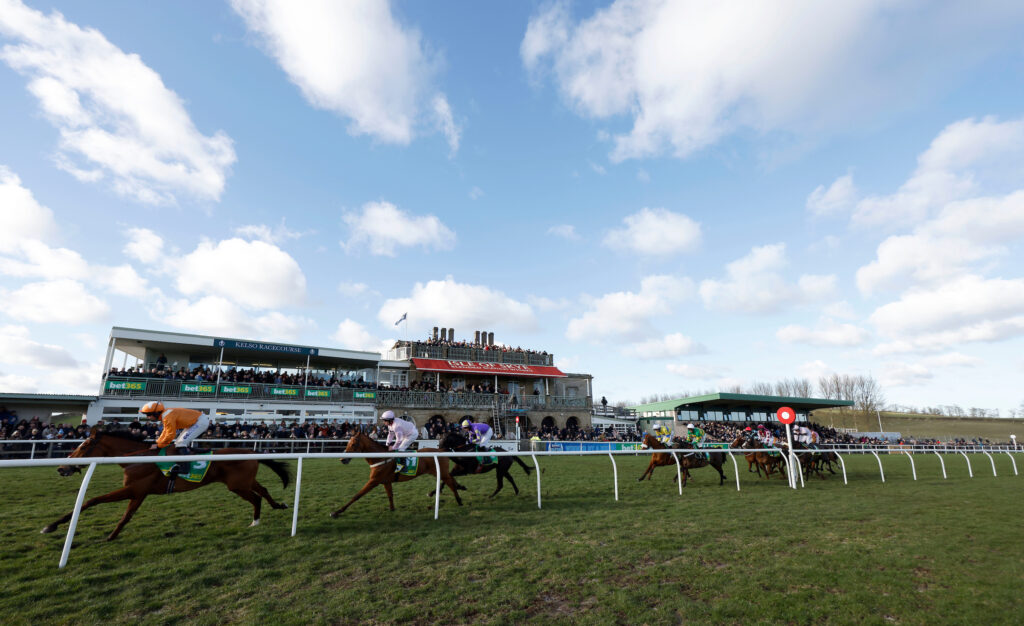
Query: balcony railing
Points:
[147, 388]
[463, 353]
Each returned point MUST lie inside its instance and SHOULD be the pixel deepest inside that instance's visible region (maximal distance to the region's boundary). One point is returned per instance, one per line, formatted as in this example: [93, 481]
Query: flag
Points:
[401, 319]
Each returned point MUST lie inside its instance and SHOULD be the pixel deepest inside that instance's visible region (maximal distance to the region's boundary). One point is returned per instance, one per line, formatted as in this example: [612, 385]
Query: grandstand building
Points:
[433, 381]
[727, 407]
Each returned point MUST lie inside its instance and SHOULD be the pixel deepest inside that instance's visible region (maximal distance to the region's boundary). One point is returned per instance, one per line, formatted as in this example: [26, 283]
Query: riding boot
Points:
[181, 467]
[399, 465]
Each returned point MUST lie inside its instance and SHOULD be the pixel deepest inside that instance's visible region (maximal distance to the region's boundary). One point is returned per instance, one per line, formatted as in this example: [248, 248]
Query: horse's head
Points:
[452, 441]
[355, 444]
[650, 441]
[84, 449]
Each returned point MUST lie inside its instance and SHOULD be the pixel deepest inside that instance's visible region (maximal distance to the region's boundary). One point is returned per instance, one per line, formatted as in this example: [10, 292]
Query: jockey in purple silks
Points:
[479, 434]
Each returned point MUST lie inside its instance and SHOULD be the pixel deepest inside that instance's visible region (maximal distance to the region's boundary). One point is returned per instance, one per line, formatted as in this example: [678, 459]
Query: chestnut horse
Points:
[760, 460]
[687, 457]
[382, 471]
[145, 479]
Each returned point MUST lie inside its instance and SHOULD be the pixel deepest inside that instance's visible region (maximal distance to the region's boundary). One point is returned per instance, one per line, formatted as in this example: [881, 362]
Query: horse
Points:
[810, 459]
[760, 460]
[145, 479]
[382, 471]
[686, 461]
[469, 465]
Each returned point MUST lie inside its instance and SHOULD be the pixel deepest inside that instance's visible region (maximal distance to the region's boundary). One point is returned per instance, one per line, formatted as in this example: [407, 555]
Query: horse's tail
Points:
[526, 468]
[280, 469]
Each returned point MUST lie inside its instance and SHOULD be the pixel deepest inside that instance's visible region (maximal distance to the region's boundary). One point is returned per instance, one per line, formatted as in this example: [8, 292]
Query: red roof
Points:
[478, 367]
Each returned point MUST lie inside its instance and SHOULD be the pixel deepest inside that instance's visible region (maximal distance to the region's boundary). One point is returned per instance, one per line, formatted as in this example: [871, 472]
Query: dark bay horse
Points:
[382, 471]
[687, 457]
[456, 442]
[145, 479]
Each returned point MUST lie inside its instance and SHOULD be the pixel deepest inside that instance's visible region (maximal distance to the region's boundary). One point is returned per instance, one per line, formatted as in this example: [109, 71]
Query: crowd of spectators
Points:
[434, 341]
[233, 375]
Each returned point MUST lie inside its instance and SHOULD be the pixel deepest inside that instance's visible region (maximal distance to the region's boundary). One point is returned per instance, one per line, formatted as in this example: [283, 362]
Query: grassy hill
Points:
[931, 426]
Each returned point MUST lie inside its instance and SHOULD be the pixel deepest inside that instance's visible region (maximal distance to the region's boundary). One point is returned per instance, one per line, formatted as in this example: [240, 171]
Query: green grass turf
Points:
[931, 551]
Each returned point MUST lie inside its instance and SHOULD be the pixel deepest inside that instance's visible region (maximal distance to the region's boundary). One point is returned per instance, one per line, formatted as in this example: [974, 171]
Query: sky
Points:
[670, 196]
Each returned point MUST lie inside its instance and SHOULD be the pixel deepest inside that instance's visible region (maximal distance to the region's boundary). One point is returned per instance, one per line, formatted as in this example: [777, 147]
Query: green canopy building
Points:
[728, 407]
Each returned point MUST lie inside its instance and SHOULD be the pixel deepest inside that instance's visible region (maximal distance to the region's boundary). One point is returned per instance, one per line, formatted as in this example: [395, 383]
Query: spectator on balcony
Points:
[161, 362]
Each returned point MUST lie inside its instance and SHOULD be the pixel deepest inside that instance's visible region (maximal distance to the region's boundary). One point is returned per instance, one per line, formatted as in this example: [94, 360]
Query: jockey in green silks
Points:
[695, 436]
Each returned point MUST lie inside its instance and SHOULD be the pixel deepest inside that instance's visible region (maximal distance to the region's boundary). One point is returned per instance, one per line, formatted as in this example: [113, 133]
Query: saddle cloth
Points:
[196, 470]
[411, 465]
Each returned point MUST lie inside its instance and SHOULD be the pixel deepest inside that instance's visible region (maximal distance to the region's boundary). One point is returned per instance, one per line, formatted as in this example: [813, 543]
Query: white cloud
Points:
[253, 273]
[626, 314]
[22, 217]
[351, 335]
[565, 231]
[39, 260]
[839, 197]
[352, 289]
[689, 73]
[694, 371]
[17, 347]
[61, 301]
[753, 284]
[116, 117]
[446, 123]
[16, 383]
[951, 359]
[144, 245]
[827, 333]
[216, 315]
[814, 369]
[458, 305]
[547, 304]
[676, 344]
[382, 227]
[966, 156]
[353, 59]
[598, 169]
[905, 375]
[655, 232]
[476, 193]
[841, 310]
[273, 235]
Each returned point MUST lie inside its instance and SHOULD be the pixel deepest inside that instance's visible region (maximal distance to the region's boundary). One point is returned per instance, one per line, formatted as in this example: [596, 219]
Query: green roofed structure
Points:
[729, 407]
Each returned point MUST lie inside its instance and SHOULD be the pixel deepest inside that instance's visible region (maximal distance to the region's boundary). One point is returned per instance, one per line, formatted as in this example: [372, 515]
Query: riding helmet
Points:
[152, 407]
[388, 415]
[466, 424]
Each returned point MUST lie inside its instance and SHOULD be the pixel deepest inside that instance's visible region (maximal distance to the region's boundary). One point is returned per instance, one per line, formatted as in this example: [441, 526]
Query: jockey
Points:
[479, 434]
[695, 435]
[661, 433]
[401, 434]
[188, 422]
[765, 436]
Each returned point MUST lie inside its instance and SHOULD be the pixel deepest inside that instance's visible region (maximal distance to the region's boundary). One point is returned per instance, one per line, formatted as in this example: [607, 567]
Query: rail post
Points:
[736, 470]
[992, 461]
[536, 466]
[1014, 463]
[679, 473]
[32, 454]
[437, 489]
[970, 472]
[880, 470]
[843, 464]
[298, 488]
[75, 515]
[941, 462]
[913, 469]
[615, 473]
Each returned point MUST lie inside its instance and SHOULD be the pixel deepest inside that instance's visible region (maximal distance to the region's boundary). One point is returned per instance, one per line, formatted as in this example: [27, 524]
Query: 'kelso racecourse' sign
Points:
[228, 344]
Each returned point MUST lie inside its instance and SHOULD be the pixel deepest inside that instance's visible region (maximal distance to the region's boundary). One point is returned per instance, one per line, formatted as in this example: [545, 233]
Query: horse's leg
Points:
[454, 486]
[650, 468]
[262, 491]
[721, 474]
[123, 493]
[391, 495]
[526, 468]
[252, 498]
[129, 512]
[370, 484]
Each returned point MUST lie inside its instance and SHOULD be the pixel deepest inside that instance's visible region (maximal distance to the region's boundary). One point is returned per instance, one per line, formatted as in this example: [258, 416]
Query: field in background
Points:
[930, 426]
[928, 551]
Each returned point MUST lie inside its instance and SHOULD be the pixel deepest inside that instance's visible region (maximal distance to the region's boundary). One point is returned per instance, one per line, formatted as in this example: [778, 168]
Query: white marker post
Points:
[787, 416]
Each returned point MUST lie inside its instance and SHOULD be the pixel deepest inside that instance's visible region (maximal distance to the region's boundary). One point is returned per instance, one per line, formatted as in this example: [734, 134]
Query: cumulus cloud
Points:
[458, 305]
[673, 345]
[217, 315]
[827, 333]
[382, 227]
[22, 217]
[144, 245]
[117, 120]
[693, 371]
[655, 232]
[627, 315]
[351, 335]
[754, 284]
[905, 375]
[60, 301]
[17, 347]
[355, 60]
[689, 73]
[273, 235]
[839, 197]
[252, 273]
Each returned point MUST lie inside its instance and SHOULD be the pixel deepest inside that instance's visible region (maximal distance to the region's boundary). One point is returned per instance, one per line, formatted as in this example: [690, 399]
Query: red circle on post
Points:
[786, 415]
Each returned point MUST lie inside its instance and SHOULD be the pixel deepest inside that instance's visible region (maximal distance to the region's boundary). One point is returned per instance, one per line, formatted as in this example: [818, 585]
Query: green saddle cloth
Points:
[196, 470]
[412, 463]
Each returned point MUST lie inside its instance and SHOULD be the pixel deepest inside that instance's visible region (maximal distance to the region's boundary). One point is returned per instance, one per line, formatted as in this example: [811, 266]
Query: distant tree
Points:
[761, 389]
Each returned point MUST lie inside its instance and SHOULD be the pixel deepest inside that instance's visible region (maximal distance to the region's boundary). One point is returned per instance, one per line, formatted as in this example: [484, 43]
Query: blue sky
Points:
[671, 196]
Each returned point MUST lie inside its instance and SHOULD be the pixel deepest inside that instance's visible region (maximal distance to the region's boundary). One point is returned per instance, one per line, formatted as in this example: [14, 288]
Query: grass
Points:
[919, 552]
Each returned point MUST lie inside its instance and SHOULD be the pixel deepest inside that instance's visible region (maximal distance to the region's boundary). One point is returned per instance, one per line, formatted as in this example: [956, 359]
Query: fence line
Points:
[92, 462]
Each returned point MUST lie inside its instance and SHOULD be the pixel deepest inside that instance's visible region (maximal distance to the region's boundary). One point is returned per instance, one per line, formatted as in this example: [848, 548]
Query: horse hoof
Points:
[255, 522]
[335, 514]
